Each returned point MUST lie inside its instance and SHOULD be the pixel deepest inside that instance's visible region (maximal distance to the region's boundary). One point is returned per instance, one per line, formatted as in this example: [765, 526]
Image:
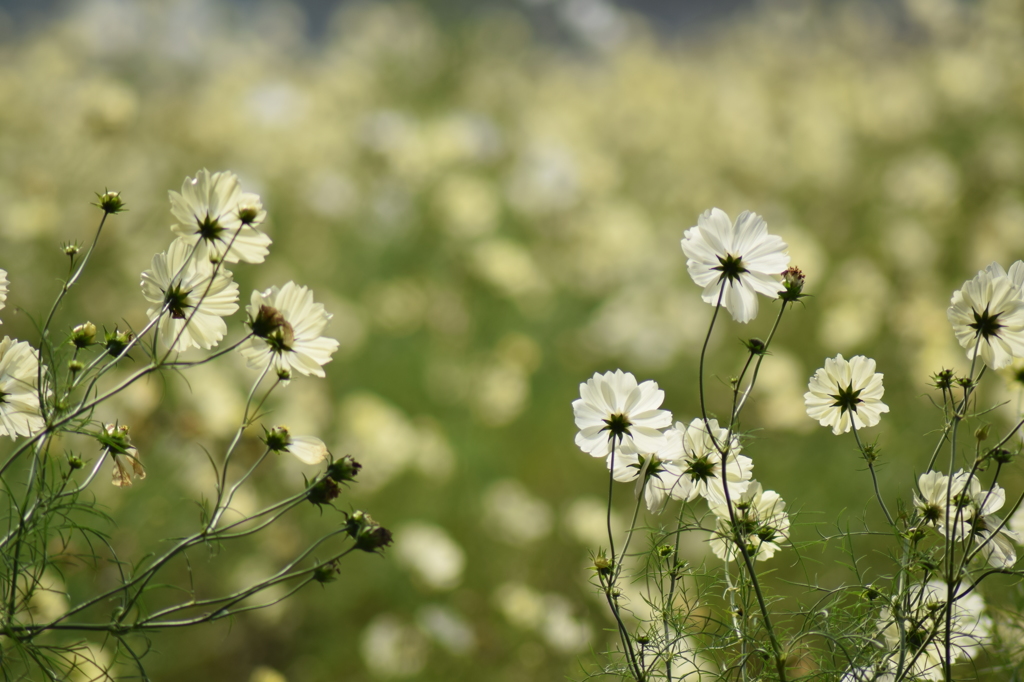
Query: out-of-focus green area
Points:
[491, 217]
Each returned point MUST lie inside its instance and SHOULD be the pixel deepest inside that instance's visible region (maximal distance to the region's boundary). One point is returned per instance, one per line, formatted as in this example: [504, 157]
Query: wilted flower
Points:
[612, 407]
[735, 262]
[215, 212]
[19, 393]
[987, 314]
[190, 296]
[117, 444]
[762, 524]
[287, 326]
[846, 393]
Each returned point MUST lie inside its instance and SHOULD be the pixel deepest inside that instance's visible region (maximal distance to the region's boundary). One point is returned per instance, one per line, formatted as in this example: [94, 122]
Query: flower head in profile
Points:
[214, 212]
[845, 394]
[3, 290]
[698, 448]
[19, 393]
[972, 514]
[762, 524]
[987, 315]
[735, 261]
[287, 325]
[924, 627]
[657, 475]
[190, 296]
[933, 494]
[118, 445]
[614, 409]
[307, 449]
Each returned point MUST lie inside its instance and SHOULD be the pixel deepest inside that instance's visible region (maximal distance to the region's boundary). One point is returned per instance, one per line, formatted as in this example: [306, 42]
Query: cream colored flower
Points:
[845, 393]
[190, 296]
[19, 393]
[215, 213]
[287, 326]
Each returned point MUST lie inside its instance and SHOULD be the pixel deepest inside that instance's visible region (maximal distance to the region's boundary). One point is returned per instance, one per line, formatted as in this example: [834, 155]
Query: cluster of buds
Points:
[327, 488]
[369, 535]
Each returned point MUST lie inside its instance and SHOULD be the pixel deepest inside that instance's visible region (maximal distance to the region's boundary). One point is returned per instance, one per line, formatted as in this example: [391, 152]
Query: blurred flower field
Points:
[491, 216]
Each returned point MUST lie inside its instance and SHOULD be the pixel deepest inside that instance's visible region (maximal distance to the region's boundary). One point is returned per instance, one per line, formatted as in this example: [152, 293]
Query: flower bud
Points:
[326, 573]
[75, 462]
[369, 535]
[75, 366]
[70, 249]
[83, 335]
[344, 469]
[755, 346]
[116, 342]
[111, 202]
[1001, 455]
[277, 439]
[943, 379]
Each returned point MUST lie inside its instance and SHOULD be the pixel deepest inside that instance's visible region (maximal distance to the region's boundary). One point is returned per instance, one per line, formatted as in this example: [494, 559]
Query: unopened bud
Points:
[116, 342]
[369, 535]
[277, 439]
[111, 202]
[83, 335]
[75, 366]
[755, 346]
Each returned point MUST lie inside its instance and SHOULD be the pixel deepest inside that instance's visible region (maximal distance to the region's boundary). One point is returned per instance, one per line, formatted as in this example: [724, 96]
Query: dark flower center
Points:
[177, 301]
[701, 469]
[617, 426]
[986, 323]
[731, 267]
[209, 227]
[847, 399]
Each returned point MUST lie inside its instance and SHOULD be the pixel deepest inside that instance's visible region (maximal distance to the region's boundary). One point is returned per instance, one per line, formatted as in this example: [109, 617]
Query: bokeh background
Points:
[489, 198]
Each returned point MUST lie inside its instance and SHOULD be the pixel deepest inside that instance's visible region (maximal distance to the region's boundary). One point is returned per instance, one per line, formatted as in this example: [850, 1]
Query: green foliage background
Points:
[492, 216]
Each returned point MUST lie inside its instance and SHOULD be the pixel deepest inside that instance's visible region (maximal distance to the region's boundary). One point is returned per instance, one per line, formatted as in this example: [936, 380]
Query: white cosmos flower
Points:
[934, 492]
[846, 393]
[662, 476]
[975, 516]
[700, 458]
[612, 406]
[3, 290]
[924, 627]
[735, 262]
[987, 315]
[19, 395]
[196, 295]
[287, 326]
[213, 209]
[761, 523]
